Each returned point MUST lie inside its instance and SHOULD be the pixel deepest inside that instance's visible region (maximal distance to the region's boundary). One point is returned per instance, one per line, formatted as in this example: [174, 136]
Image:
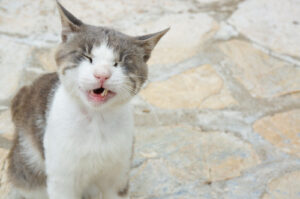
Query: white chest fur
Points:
[86, 147]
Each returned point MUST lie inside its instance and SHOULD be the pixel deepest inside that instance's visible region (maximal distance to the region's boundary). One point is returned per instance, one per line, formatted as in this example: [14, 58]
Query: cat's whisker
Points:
[127, 93]
[138, 76]
[127, 89]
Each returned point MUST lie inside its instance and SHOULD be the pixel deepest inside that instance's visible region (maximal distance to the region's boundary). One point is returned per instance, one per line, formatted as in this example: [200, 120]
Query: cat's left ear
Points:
[148, 42]
[70, 24]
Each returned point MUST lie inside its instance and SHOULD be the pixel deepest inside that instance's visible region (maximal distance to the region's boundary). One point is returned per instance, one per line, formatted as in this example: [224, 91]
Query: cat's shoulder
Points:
[34, 98]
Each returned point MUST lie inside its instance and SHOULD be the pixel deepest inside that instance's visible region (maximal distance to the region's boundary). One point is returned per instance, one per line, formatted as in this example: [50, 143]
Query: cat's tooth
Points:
[104, 93]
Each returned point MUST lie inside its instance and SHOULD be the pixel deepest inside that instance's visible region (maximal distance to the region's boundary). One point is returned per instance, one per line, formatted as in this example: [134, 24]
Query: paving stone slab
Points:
[12, 61]
[4, 184]
[286, 186]
[263, 76]
[181, 157]
[200, 87]
[271, 23]
[31, 20]
[6, 125]
[282, 130]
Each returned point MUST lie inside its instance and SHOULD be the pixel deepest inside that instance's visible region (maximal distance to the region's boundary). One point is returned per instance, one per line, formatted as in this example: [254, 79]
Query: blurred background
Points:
[219, 116]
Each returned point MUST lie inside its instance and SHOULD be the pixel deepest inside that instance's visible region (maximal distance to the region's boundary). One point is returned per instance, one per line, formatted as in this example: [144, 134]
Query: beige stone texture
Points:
[6, 130]
[261, 74]
[123, 14]
[272, 23]
[224, 156]
[286, 186]
[213, 1]
[192, 155]
[4, 185]
[200, 87]
[32, 19]
[6, 135]
[282, 130]
[12, 62]
[6, 125]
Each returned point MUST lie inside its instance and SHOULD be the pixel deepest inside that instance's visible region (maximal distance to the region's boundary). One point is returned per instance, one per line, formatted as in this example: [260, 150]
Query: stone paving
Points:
[219, 117]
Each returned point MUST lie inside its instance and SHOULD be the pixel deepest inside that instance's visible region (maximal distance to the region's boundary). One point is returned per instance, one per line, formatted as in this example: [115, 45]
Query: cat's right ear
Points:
[70, 24]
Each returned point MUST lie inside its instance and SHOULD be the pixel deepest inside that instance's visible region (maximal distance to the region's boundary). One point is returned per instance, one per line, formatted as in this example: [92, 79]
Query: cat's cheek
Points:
[85, 77]
[118, 78]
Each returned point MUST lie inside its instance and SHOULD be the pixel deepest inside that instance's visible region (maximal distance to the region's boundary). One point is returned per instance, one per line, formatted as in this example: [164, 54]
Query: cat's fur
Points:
[67, 145]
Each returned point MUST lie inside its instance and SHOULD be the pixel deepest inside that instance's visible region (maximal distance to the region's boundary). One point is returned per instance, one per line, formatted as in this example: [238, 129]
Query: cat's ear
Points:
[70, 24]
[148, 42]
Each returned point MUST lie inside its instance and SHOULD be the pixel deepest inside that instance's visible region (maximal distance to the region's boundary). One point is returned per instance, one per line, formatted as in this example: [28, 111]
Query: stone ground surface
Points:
[220, 114]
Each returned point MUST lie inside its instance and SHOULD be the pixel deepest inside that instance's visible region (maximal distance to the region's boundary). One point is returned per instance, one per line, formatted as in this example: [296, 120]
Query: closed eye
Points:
[88, 57]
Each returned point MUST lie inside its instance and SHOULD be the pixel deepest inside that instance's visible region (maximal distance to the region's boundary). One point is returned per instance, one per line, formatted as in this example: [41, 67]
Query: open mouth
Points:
[100, 94]
[100, 91]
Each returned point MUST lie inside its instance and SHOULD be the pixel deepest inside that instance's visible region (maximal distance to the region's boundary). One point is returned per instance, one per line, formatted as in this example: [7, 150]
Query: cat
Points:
[74, 128]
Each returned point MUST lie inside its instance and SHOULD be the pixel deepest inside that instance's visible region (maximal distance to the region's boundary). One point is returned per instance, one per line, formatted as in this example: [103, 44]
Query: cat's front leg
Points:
[92, 192]
[117, 192]
[113, 194]
[62, 188]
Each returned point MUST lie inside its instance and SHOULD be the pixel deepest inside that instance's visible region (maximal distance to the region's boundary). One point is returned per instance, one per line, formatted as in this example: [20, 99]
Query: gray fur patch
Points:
[29, 109]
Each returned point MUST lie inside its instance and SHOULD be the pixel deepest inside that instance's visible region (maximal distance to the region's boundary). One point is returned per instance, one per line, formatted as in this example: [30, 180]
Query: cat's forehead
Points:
[111, 37]
[103, 51]
[98, 40]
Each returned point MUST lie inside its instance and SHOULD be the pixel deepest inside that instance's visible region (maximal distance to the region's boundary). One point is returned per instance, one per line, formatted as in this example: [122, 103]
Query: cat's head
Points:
[100, 66]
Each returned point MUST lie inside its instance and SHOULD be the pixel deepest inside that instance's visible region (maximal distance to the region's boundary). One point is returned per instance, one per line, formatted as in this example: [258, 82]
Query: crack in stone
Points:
[168, 71]
[27, 40]
[265, 172]
[239, 115]
[282, 57]
[145, 161]
[14, 35]
[220, 11]
[241, 94]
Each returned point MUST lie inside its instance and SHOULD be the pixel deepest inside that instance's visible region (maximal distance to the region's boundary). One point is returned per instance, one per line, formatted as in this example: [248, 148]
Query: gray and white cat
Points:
[74, 128]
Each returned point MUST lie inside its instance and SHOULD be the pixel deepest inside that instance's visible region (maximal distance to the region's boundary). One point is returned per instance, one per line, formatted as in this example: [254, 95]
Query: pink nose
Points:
[102, 77]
